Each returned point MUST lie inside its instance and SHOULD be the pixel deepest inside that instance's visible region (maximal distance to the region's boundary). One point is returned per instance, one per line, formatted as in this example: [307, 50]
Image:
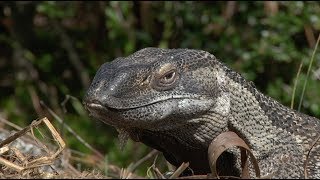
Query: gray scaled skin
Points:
[178, 100]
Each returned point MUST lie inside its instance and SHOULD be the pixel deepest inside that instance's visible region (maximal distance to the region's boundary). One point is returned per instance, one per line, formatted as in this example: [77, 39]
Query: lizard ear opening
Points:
[165, 78]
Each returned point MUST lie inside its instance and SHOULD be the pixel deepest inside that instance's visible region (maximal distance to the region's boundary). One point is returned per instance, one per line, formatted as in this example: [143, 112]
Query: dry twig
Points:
[181, 168]
[38, 162]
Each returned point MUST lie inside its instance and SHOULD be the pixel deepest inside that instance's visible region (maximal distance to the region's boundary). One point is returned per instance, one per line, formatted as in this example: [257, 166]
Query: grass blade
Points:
[308, 73]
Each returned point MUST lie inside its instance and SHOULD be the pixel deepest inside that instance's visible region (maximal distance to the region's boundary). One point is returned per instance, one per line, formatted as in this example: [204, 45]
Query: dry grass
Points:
[37, 151]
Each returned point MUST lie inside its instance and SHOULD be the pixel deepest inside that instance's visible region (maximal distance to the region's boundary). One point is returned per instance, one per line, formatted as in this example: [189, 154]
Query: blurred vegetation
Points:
[49, 50]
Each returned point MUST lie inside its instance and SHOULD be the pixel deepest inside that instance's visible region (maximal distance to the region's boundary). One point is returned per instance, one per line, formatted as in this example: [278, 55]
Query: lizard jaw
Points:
[167, 114]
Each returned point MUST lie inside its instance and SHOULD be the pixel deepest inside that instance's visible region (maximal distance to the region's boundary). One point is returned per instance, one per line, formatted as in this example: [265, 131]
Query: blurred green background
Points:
[49, 50]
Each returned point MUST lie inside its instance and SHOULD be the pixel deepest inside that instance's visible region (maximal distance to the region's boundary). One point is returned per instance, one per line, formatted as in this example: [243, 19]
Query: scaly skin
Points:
[179, 100]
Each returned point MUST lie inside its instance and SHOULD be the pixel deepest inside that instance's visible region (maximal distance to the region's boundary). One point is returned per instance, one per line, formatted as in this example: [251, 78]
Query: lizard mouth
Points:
[118, 116]
[150, 115]
[118, 104]
[94, 104]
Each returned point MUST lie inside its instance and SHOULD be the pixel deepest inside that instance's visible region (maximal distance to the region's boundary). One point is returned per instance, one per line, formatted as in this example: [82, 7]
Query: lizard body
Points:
[179, 100]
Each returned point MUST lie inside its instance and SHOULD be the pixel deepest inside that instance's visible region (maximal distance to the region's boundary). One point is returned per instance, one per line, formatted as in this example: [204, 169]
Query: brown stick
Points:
[19, 133]
[181, 168]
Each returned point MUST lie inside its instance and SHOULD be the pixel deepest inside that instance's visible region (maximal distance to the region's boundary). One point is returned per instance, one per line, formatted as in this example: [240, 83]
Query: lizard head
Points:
[154, 88]
[161, 97]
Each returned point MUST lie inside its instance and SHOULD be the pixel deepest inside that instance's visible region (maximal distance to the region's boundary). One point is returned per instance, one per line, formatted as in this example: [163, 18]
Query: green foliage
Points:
[55, 9]
[49, 48]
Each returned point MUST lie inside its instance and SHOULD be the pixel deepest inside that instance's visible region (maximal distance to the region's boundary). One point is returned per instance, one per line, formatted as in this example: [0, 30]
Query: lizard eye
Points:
[165, 78]
[168, 78]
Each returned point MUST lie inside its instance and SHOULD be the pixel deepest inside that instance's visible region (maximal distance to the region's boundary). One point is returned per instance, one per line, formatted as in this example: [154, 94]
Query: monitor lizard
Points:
[178, 100]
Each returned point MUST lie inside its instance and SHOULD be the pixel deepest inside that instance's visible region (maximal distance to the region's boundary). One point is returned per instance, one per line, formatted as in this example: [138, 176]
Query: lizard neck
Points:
[249, 103]
[272, 130]
[263, 123]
